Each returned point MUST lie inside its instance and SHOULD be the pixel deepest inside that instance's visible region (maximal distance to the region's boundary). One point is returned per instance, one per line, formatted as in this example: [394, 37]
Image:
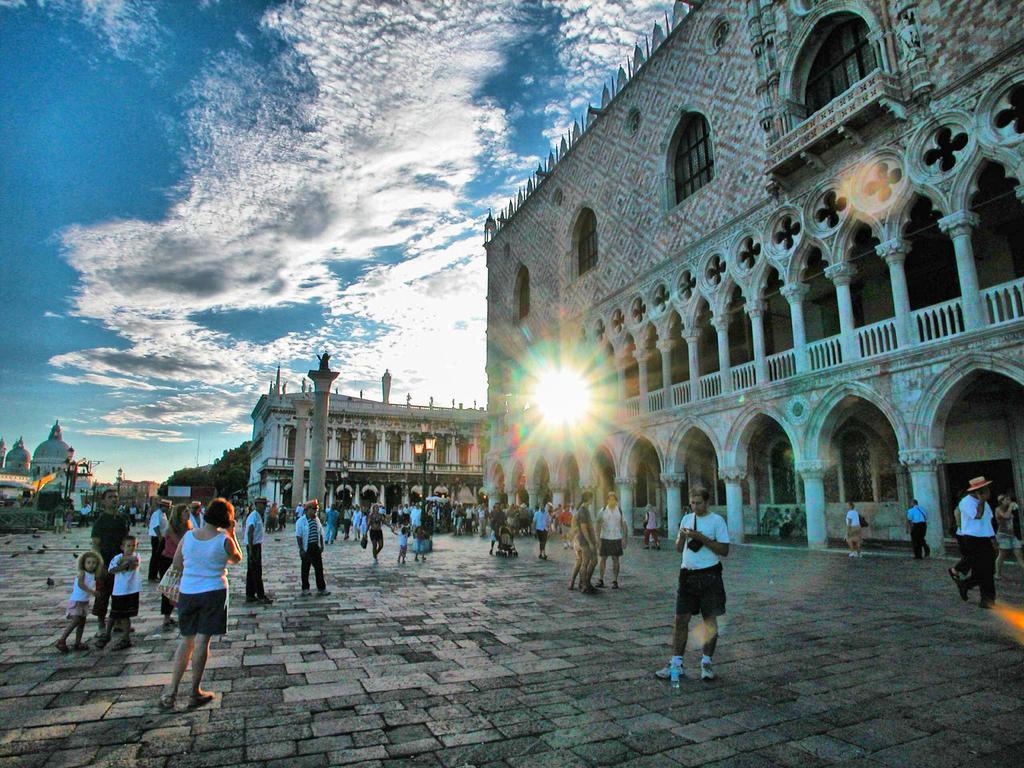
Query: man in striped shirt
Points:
[309, 534]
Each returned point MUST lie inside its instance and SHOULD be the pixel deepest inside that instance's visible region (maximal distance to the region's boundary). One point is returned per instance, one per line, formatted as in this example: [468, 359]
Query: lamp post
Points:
[120, 479]
[422, 449]
[343, 475]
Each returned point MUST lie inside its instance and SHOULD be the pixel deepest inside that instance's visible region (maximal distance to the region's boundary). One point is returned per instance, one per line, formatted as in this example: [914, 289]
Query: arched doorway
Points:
[519, 495]
[645, 471]
[569, 480]
[541, 483]
[604, 475]
[392, 496]
[697, 461]
[771, 489]
[500, 496]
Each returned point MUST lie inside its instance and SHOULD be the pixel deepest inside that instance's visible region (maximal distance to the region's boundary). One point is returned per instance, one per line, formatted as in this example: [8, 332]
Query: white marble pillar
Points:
[813, 474]
[673, 502]
[959, 226]
[624, 487]
[733, 477]
[795, 293]
[302, 410]
[693, 356]
[557, 496]
[322, 381]
[895, 254]
[534, 493]
[841, 276]
[721, 323]
[923, 465]
[640, 355]
[665, 347]
[755, 310]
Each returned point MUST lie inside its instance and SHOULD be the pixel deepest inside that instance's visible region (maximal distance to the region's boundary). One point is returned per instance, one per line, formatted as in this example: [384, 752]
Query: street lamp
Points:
[422, 449]
[120, 479]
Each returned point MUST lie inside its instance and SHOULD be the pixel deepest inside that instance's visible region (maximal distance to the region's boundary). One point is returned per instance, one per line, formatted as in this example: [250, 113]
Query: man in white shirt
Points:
[978, 539]
[196, 515]
[255, 527]
[703, 540]
[611, 529]
[415, 516]
[309, 534]
[157, 528]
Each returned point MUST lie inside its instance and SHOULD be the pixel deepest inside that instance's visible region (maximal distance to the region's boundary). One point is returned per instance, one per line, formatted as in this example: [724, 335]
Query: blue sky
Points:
[192, 194]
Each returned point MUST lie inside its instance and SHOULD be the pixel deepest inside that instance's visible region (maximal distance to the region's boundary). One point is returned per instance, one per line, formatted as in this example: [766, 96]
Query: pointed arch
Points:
[829, 411]
[682, 435]
[743, 427]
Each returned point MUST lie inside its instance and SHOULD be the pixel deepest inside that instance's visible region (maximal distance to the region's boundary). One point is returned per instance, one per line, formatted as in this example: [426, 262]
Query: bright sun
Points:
[562, 396]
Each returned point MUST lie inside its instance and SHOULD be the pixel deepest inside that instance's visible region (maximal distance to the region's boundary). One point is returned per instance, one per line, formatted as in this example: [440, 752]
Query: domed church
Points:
[51, 455]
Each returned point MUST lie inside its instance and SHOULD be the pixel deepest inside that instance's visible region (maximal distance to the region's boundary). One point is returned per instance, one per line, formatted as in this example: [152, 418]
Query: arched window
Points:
[522, 294]
[846, 56]
[586, 242]
[693, 164]
[856, 460]
[290, 447]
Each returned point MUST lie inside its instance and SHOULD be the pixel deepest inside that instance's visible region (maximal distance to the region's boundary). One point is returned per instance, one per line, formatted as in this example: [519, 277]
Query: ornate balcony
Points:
[865, 101]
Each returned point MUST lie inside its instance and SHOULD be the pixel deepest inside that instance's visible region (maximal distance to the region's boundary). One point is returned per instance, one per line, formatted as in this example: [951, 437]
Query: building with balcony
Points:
[370, 448]
[789, 249]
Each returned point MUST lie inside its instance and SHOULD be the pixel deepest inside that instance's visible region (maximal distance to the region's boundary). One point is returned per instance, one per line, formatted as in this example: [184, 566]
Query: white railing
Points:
[782, 365]
[744, 376]
[656, 400]
[825, 353]
[877, 338]
[938, 321]
[681, 393]
[710, 385]
[632, 406]
[1005, 302]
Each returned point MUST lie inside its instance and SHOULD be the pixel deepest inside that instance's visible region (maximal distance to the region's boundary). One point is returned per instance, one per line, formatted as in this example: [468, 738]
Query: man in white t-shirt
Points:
[157, 528]
[255, 528]
[611, 529]
[703, 540]
[978, 539]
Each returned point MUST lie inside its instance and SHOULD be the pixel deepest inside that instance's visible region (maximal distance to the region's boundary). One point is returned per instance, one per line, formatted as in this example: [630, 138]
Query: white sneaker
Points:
[665, 673]
[706, 672]
[852, 554]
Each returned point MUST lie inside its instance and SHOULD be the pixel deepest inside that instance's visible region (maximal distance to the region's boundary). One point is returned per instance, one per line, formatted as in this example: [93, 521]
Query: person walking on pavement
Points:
[611, 529]
[157, 528]
[854, 529]
[587, 545]
[375, 528]
[1008, 533]
[309, 535]
[253, 538]
[979, 542]
[917, 526]
[541, 520]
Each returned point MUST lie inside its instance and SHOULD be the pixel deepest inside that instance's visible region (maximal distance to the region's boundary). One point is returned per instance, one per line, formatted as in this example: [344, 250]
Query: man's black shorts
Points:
[377, 535]
[701, 591]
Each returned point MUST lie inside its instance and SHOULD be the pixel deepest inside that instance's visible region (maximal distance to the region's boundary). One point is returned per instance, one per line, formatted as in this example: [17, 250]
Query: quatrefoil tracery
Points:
[715, 270]
[1012, 115]
[832, 206]
[787, 233]
[660, 296]
[687, 285]
[750, 250]
[637, 310]
[618, 320]
[943, 155]
[882, 181]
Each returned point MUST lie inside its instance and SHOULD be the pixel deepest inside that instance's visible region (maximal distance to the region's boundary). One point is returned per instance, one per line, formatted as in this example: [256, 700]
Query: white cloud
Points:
[138, 433]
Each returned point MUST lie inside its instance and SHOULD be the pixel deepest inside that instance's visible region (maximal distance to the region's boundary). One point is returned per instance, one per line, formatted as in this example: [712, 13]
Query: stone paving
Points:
[470, 660]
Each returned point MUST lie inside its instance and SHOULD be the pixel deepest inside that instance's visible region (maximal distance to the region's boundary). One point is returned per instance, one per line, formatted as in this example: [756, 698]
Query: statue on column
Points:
[325, 361]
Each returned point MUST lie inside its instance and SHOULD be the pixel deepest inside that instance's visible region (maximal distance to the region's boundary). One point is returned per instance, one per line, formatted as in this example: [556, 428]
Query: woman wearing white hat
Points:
[979, 542]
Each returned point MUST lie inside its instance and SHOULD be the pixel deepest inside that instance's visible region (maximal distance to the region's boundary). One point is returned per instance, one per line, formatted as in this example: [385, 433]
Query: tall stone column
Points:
[322, 378]
[302, 411]
[693, 356]
[558, 496]
[733, 477]
[895, 254]
[624, 486]
[923, 465]
[958, 226]
[533, 492]
[755, 309]
[813, 474]
[795, 294]
[673, 501]
[665, 346]
[640, 355]
[721, 324]
[841, 276]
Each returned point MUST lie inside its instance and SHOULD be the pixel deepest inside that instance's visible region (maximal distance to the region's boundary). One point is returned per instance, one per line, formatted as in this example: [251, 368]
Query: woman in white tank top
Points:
[203, 558]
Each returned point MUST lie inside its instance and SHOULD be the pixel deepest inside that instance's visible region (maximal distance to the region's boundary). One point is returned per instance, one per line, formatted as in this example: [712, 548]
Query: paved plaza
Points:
[470, 660]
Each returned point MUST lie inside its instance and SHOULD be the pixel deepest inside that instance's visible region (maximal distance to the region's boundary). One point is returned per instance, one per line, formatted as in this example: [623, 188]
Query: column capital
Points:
[755, 308]
[641, 355]
[303, 408]
[842, 273]
[922, 459]
[812, 469]
[533, 489]
[721, 323]
[732, 474]
[557, 488]
[624, 481]
[959, 223]
[691, 336]
[893, 251]
[672, 479]
[666, 345]
[794, 293]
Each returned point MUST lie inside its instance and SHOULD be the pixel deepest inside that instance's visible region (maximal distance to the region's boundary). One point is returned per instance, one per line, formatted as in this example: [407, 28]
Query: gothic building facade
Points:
[370, 448]
[788, 250]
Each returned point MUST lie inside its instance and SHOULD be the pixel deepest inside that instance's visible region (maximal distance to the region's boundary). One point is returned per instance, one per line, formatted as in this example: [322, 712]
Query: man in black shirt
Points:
[497, 520]
[108, 532]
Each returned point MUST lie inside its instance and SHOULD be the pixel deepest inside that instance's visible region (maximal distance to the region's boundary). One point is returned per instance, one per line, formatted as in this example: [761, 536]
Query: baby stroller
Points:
[506, 544]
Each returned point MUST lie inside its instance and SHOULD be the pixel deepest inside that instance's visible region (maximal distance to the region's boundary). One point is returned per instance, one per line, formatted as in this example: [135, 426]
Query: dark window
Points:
[345, 446]
[694, 164]
[586, 248]
[522, 294]
[394, 451]
[845, 57]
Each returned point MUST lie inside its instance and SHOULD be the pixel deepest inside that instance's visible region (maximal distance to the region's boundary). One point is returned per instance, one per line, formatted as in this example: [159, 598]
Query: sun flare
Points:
[562, 396]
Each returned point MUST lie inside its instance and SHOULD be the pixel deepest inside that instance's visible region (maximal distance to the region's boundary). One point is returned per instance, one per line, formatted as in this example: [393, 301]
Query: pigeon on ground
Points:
[50, 582]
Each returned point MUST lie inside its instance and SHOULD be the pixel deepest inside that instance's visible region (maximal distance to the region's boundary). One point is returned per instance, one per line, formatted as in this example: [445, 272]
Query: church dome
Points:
[17, 458]
[53, 450]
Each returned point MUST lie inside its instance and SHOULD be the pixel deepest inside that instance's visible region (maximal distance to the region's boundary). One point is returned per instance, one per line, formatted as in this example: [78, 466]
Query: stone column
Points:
[492, 497]
[620, 379]
[640, 355]
[721, 323]
[557, 495]
[755, 309]
[733, 477]
[624, 490]
[693, 356]
[673, 501]
[302, 411]
[665, 346]
[923, 465]
[534, 494]
[841, 276]
[813, 474]
[958, 226]
[895, 254]
[795, 293]
[322, 378]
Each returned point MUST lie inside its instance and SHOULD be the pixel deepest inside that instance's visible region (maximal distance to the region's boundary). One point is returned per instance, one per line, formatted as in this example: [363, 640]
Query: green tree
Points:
[230, 473]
